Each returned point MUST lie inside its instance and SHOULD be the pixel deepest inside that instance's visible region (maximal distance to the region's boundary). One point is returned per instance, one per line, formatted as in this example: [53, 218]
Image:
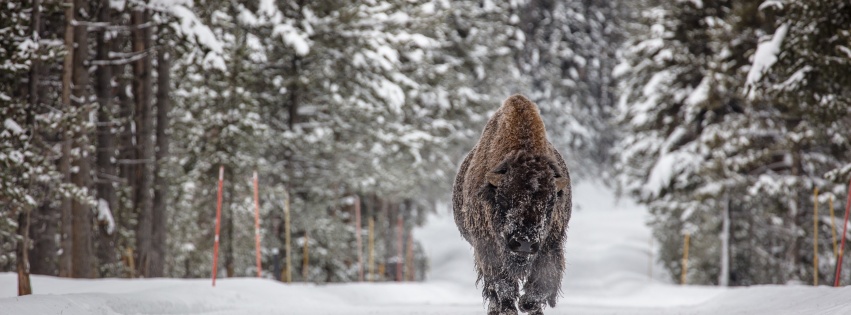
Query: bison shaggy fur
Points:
[512, 202]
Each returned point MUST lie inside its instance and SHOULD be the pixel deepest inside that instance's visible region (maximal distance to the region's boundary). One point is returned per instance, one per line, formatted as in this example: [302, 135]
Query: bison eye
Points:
[560, 193]
[501, 170]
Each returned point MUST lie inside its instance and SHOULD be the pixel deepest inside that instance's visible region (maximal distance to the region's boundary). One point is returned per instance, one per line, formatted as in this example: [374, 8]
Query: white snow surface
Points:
[608, 268]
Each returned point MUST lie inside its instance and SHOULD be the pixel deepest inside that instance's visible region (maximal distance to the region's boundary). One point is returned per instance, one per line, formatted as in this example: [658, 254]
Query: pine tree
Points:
[685, 125]
[567, 60]
[803, 71]
[31, 121]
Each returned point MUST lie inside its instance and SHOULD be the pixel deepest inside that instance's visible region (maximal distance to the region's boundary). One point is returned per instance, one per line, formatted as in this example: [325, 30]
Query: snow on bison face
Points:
[523, 190]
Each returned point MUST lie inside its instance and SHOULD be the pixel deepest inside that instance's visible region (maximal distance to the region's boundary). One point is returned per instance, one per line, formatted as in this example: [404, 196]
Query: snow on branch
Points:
[13, 126]
[126, 58]
[105, 215]
[764, 57]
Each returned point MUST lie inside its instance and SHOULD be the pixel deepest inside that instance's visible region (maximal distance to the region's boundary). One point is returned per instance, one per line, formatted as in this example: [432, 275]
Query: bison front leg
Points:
[542, 285]
[501, 293]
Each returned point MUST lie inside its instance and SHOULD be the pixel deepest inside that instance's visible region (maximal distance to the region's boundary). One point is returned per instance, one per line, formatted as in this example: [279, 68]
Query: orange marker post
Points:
[257, 226]
[844, 230]
[218, 223]
[685, 259]
[833, 228]
[358, 238]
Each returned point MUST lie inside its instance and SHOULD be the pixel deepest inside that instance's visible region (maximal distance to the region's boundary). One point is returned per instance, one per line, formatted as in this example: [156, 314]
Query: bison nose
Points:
[522, 247]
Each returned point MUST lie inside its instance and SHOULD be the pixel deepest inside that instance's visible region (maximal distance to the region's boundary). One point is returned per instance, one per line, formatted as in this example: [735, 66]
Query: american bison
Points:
[512, 202]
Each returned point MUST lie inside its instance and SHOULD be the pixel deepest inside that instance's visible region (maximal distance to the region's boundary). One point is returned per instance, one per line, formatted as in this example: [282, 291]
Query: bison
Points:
[512, 202]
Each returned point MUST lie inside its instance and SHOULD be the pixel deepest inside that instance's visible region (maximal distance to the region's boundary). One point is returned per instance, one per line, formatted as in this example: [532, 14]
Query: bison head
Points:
[523, 191]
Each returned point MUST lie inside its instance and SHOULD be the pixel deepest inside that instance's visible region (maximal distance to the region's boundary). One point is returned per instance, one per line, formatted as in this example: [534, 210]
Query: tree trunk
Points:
[125, 214]
[293, 89]
[107, 253]
[159, 229]
[81, 258]
[43, 258]
[35, 28]
[229, 239]
[142, 93]
[24, 220]
[724, 277]
[388, 213]
[65, 159]
[23, 263]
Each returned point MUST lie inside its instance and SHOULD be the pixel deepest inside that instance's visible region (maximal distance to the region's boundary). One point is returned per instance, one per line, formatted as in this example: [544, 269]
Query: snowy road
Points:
[607, 273]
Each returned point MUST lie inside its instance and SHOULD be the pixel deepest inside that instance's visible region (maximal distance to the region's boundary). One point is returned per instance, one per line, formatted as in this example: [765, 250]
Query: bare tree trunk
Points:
[142, 93]
[22, 255]
[23, 263]
[229, 239]
[82, 251]
[125, 145]
[159, 229]
[293, 89]
[65, 159]
[43, 258]
[107, 253]
[35, 28]
[724, 277]
[388, 214]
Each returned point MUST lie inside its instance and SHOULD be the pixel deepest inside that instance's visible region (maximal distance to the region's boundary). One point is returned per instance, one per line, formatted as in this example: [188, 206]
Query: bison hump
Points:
[520, 127]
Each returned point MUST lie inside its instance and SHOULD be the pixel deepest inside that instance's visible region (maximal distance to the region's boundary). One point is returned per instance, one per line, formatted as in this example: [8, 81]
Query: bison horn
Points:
[494, 178]
[561, 183]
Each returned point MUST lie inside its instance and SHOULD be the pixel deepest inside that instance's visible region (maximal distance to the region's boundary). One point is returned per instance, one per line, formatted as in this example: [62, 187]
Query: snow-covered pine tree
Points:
[802, 70]
[567, 60]
[685, 125]
[718, 120]
[32, 119]
[216, 123]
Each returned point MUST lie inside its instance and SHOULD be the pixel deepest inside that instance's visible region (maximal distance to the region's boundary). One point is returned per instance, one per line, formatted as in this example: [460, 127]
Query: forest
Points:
[721, 116]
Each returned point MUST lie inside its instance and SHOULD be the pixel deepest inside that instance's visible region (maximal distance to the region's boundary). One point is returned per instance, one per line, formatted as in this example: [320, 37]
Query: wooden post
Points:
[371, 249]
[844, 230]
[685, 259]
[815, 236]
[131, 263]
[833, 228]
[358, 238]
[257, 226]
[306, 259]
[288, 251]
[218, 223]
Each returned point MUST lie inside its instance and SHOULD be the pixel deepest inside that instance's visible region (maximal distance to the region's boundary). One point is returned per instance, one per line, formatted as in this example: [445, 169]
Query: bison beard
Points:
[512, 203]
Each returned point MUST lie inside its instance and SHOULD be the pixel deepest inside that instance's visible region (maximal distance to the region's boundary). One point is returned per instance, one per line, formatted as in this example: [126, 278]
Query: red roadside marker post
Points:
[218, 223]
[257, 226]
[844, 229]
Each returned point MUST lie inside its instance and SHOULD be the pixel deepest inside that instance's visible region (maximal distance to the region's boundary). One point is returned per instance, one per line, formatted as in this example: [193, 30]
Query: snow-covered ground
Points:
[608, 272]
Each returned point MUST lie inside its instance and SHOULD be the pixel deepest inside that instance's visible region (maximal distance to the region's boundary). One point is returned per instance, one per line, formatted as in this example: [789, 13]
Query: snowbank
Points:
[608, 272]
